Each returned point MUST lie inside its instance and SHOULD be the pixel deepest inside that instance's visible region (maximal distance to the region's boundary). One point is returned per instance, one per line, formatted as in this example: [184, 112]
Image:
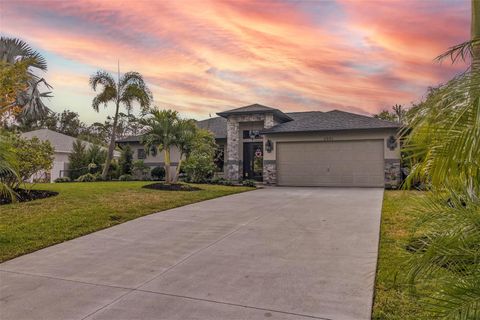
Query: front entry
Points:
[253, 160]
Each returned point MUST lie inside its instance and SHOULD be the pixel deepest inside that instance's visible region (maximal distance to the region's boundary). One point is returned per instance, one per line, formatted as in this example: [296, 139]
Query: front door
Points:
[253, 160]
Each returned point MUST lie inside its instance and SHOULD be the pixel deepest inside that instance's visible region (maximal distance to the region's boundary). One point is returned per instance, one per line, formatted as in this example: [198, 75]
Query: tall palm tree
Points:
[128, 88]
[161, 131]
[29, 97]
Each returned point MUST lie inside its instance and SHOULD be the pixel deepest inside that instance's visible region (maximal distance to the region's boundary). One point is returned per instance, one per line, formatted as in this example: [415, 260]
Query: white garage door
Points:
[339, 163]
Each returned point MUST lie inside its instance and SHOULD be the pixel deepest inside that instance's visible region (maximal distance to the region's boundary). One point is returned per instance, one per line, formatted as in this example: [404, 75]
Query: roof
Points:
[256, 108]
[217, 125]
[59, 141]
[330, 121]
[129, 139]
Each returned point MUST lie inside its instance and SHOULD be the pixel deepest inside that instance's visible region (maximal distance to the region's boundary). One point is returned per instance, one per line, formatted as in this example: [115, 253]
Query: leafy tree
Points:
[28, 97]
[398, 114]
[161, 130]
[126, 160]
[186, 132]
[78, 161]
[444, 135]
[9, 176]
[33, 156]
[13, 79]
[130, 87]
[200, 164]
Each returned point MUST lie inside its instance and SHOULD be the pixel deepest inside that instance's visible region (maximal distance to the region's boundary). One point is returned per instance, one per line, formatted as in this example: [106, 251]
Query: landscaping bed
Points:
[171, 187]
[24, 195]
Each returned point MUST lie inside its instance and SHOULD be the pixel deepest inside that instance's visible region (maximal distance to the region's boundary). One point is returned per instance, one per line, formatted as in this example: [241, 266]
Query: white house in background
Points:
[63, 146]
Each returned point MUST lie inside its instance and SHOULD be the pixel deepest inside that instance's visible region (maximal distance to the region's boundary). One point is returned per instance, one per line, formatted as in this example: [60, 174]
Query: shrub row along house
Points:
[333, 148]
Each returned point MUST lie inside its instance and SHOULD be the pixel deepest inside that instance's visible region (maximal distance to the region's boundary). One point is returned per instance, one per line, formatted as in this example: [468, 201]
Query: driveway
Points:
[279, 253]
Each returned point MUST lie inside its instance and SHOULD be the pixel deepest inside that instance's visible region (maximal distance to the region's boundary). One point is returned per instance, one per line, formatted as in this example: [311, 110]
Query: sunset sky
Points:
[204, 56]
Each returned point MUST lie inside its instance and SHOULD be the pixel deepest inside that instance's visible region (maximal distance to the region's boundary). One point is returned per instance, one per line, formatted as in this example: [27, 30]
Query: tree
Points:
[129, 87]
[445, 135]
[126, 160]
[161, 130]
[9, 176]
[95, 156]
[33, 156]
[397, 114]
[186, 133]
[26, 89]
[200, 164]
[78, 160]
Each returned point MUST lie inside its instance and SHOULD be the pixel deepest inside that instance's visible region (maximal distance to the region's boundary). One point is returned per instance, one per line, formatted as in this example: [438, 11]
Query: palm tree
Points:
[29, 98]
[445, 135]
[187, 130]
[128, 88]
[161, 131]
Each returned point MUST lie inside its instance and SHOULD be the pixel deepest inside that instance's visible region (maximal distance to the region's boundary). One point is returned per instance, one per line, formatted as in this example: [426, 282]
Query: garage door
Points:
[339, 163]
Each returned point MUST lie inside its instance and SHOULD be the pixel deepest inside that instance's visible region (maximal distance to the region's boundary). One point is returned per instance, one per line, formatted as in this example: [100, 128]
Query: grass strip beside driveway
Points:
[82, 208]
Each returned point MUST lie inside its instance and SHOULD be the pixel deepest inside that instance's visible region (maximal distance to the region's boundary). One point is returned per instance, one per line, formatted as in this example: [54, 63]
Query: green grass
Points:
[394, 299]
[82, 208]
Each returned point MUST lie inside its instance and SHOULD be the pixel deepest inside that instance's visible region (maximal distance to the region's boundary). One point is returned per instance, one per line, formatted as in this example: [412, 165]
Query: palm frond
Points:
[103, 78]
[133, 88]
[462, 51]
[13, 49]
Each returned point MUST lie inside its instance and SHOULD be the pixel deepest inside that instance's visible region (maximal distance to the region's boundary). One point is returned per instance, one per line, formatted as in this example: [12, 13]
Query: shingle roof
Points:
[256, 108]
[59, 141]
[129, 139]
[217, 125]
[329, 121]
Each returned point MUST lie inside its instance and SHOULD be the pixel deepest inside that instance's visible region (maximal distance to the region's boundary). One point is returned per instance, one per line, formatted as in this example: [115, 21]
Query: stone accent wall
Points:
[269, 171]
[233, 137]
[392, 174]
[269, 121]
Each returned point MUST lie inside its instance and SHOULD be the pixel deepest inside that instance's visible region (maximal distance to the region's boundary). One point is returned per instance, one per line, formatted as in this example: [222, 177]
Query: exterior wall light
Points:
[269, 146]
[392, 143]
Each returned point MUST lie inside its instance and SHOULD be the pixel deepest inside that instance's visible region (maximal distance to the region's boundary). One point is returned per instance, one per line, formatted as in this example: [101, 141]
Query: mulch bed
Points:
[28, 195]
[171, 187]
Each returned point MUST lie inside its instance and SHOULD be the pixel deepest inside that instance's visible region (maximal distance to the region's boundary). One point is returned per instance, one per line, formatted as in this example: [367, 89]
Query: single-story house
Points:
[63, 146]
[314, 148]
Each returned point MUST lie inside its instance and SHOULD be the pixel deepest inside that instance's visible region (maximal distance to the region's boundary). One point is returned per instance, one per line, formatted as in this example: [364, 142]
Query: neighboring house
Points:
[314, 148]
[63, 146]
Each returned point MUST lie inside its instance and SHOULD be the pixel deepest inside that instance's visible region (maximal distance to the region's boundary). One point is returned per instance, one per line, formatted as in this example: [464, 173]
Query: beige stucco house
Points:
[315, 148]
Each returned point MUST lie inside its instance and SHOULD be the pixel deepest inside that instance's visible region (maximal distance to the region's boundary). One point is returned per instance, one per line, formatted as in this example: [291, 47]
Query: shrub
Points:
[86, 178]
[158, 173]
[126, 160]
[200, 165]
[33, 155]
[78, 160]
[140, 170]
[125, 177]
[249, 183]
[62, 179]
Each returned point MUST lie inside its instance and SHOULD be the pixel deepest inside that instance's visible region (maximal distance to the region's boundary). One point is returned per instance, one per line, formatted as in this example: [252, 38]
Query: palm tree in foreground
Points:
[161, 131]
[128, 88]
[27, 95]
[445, 135]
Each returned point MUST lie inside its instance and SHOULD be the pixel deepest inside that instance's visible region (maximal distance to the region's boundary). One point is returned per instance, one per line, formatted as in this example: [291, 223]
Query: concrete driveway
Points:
[279, 253]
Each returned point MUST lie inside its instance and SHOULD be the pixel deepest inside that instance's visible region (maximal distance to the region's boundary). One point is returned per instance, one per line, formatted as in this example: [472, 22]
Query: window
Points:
[141, 154]
[251, 134]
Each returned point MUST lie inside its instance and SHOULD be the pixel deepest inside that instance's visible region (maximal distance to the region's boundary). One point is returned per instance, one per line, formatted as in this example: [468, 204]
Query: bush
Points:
[126, 160]
[249, 183]
[125, 177]
[87, 178]
[62, 179]
[158, 173]
[140, 170]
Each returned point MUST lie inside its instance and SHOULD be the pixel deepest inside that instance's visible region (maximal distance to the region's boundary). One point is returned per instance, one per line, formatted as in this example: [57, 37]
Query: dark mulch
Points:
[28, 195]
[171, 187]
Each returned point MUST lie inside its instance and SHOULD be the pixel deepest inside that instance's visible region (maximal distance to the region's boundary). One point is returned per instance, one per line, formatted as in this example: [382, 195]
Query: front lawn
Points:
[82, 208]
[394, 299]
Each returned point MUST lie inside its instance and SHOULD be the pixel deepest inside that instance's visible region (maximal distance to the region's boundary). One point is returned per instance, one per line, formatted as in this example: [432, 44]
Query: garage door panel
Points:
[339, 163]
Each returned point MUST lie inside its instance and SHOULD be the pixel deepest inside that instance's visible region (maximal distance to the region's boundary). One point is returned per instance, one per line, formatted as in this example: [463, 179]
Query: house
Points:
[63, 146]
[313, 148]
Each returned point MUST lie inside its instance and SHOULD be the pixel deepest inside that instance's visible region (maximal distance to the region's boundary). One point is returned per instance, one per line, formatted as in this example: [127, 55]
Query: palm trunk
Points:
[475, 35]
[167, 164]
[177, 172]
[111, 147]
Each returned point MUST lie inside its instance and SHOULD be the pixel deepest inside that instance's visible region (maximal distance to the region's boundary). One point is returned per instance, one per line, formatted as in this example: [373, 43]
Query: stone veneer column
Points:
[269, 165]
[392, 173]
[233, 161]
